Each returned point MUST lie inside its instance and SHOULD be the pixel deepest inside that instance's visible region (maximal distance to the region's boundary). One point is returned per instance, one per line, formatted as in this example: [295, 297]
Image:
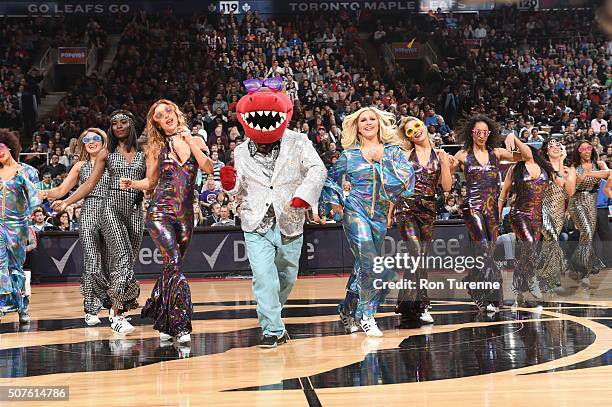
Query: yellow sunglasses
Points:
[414, 129]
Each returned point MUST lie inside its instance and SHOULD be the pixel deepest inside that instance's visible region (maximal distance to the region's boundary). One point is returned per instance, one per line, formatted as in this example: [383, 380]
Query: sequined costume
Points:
[551, 263]
[122, 227]
[96, 257]
[365, 217]
[583, 210]
[481, 217]
[18, 198]
[415, 217]
[526, 222]
[170, 224]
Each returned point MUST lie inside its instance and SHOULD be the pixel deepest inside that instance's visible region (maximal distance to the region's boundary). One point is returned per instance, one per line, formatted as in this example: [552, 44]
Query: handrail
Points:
[92, 58]
[47, 59]
[29, 154]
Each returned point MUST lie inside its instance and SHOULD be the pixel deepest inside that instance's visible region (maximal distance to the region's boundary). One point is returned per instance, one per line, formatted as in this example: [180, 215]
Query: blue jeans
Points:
[275, 261]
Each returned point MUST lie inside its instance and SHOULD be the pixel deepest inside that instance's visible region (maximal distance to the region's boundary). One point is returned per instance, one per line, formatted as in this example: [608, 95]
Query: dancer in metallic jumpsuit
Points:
[480, 161]
[18, 198]
[95, 252]
[551, 263]
[122, 217]
[416, 214]
[379, 172]
[529, 179]
[583, 210]
[173, 159]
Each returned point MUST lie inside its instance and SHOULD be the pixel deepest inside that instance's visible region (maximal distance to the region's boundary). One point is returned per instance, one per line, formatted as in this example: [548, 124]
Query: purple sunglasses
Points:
[253, 85]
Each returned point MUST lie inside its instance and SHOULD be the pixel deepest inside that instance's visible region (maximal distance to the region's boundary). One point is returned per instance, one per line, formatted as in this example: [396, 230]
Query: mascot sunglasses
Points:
[253, 85]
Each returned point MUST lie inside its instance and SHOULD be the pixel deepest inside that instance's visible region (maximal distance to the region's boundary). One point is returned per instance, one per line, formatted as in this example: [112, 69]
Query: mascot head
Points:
[264, 112]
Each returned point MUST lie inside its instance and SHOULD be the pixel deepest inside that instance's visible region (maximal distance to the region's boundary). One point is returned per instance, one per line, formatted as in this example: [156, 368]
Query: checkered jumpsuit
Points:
[94, 281]
[122, 226]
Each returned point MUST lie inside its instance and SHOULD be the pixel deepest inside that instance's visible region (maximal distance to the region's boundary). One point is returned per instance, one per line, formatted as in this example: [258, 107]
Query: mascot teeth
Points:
[264, 120]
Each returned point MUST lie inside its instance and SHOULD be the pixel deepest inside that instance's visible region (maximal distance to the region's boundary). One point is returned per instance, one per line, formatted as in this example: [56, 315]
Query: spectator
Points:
[55, 168]
[209, 195]
[62, 221]
[39, 220]
[46, 183]
[224, 218]
[215, 215]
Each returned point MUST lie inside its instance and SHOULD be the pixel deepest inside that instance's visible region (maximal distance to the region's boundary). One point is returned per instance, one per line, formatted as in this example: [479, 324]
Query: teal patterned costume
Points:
[18, 198]
[365, 217]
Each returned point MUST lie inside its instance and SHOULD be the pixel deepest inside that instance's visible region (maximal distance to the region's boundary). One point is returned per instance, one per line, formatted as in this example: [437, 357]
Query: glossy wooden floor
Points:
[556, 355]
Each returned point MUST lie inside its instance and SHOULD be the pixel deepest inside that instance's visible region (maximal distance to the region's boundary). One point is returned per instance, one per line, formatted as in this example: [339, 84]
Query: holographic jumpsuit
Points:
[18, 198]
[551, 262]
[481, 218]
[96, 256]
[415, 219]
[526, 222]
[583, 209]
[122, 227]
[170, 224]
[365, 217]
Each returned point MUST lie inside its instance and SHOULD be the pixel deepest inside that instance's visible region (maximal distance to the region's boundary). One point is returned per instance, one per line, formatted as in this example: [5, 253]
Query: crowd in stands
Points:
[539, 75]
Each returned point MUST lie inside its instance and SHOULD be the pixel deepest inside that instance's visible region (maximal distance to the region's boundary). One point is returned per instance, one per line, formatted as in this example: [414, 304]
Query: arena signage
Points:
[222, 251]
[55, 8]
[410, 50]
[454, 5]
[309, 6]
[71, 55]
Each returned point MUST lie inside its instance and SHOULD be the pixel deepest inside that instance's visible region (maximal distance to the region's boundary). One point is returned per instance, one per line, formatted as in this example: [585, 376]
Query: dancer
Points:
[583, 210]
[278, 175]
[173, 160]
[95, 253]
[379, 172]
[551, 263]
[529, 179]
[415, 215]
[18, 198]
[480, 210]
[122, 218]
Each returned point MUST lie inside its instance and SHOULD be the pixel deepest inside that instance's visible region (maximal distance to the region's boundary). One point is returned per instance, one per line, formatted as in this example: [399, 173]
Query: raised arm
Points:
[88, 186]
[458, 161]
[66, 186]
[446, 178]
[503, 196]
[198, 147]
[512, 142]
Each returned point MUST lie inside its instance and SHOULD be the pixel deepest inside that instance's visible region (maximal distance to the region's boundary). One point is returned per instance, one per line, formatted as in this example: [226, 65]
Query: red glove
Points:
[228, 177]
[299, 203]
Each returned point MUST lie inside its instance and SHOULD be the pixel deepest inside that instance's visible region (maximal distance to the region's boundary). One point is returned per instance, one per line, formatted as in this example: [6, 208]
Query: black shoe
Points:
[272, 341]
[283, 339]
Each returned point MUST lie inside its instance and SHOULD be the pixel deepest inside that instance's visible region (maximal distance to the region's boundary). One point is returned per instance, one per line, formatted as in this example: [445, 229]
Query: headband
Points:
[121, 116]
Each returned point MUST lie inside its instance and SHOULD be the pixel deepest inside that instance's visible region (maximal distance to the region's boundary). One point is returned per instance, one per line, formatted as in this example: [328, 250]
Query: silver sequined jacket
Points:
[298, 172]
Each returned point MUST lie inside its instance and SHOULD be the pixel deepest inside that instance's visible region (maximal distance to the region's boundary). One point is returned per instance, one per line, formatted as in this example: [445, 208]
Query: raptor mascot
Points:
[279, 175]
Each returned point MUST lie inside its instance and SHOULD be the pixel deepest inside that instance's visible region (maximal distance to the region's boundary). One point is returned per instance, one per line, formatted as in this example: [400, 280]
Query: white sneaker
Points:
[535, 289]
[585, 282]
[184, 338]
[350, 326]
[370, 327]
[24, 318]
[121, 325]
[91, 319]
[492, 308]
[164, 337]
[426, 317]
[111, 315]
